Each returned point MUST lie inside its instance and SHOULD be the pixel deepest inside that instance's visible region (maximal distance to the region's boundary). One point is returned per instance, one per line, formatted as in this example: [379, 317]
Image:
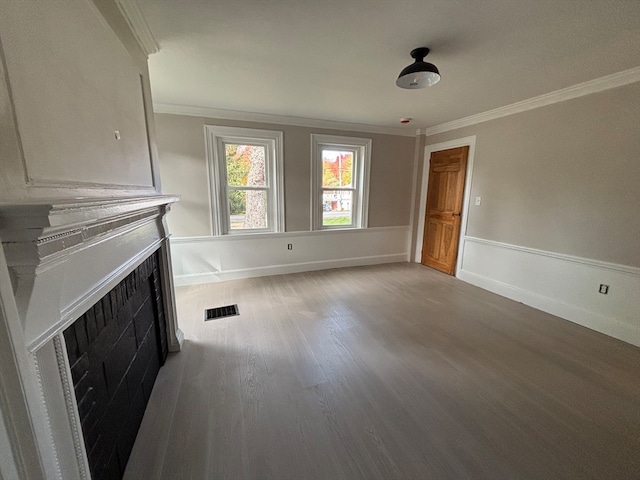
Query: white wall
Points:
[563, 285]
[560, 188]
[210, 259]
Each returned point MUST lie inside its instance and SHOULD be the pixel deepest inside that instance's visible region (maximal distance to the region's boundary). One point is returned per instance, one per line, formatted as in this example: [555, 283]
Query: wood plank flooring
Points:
[386, 372]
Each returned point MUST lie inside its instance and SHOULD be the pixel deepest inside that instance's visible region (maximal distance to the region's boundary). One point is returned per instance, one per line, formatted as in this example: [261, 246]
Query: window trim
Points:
[361, 174]
[215, 138]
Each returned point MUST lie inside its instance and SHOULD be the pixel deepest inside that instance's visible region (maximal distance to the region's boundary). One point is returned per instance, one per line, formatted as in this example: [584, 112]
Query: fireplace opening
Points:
[115, 351]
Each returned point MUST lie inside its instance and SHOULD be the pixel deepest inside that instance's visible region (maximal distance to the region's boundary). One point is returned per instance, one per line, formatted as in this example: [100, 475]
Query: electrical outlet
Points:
[604, 289]
[289, 246]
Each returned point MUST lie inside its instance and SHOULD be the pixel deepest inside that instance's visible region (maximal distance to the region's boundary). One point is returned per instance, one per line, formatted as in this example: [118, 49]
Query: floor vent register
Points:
[221, 312]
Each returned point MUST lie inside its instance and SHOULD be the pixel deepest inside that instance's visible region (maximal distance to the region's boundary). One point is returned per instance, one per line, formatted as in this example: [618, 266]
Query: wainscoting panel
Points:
[559, 284]
[210, 259]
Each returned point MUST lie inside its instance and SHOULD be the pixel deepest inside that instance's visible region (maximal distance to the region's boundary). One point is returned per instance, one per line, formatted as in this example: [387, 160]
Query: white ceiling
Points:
[338, 60]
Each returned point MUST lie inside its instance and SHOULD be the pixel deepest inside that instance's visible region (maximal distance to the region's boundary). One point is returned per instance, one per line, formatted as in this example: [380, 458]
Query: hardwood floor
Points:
[387, 372]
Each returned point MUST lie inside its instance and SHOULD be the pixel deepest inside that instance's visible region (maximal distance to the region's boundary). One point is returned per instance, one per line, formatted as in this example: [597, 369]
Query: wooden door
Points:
[444, 205]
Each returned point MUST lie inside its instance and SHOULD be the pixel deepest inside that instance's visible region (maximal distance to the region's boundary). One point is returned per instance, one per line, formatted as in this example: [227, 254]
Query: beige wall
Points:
[563, 178]
[181, 147]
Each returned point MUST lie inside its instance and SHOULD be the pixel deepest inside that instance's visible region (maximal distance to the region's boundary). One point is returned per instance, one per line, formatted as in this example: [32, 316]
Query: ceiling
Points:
[338, 60]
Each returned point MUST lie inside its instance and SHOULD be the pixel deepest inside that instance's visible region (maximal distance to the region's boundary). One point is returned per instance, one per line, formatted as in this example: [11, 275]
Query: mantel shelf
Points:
[19, 222]
[63, 255]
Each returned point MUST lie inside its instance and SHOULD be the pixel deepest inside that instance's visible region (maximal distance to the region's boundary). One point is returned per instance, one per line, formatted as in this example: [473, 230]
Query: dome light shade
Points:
[419, 74]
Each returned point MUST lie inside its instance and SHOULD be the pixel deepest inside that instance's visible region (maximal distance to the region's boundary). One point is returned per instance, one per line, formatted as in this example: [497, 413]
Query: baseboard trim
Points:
[210, 277]
[608, 326]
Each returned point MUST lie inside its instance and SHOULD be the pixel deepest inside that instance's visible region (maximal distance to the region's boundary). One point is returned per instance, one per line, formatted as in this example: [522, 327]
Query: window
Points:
[340, 181]
[245, 173]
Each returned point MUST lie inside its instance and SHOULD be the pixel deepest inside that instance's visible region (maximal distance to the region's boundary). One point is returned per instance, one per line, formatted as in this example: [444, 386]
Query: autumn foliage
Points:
[246, 167]
[337, 171]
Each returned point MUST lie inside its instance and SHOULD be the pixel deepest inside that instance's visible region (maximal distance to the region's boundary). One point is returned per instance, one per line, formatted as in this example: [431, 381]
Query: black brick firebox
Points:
[115, 351]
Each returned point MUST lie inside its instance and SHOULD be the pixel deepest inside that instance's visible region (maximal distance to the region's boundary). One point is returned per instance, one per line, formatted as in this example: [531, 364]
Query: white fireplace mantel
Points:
[61, 258]
[64, 256]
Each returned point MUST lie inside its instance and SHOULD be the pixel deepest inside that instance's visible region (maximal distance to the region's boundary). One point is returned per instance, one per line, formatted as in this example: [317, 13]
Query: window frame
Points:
[360, 179]
[216, 137]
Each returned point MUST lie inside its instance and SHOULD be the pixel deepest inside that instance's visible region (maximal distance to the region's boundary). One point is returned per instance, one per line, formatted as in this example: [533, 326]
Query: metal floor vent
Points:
[221, 312]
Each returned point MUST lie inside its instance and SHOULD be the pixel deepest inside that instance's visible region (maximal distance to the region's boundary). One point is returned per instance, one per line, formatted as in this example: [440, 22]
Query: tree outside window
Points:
[246, 180]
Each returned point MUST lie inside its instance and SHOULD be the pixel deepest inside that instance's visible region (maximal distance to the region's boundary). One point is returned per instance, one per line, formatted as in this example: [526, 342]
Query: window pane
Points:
[336, 207]
[245, 165]
[248, 209]
[337, 168]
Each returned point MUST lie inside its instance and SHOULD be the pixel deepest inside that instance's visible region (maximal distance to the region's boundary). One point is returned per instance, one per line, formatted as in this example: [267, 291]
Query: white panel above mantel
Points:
[77, 97]
[563, 285]
[228, 257]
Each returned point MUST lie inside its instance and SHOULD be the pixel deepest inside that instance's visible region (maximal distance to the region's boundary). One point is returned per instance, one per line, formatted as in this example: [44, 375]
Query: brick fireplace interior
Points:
[115, 350]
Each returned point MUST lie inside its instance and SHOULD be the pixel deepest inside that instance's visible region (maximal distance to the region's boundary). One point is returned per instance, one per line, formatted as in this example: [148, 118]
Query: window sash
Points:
[224, 201]
[353, 211]
[217, 140]
[361, 151]
[268, 228]
[229, 187]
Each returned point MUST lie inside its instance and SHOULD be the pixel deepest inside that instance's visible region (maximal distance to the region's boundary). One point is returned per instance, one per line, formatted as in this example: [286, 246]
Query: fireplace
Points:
[88, 304]
[115, 351]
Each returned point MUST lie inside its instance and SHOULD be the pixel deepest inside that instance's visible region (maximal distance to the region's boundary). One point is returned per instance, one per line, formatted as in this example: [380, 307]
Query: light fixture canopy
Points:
[419, 74]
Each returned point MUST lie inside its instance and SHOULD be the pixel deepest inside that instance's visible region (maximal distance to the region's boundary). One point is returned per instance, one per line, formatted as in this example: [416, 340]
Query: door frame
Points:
[424, 184]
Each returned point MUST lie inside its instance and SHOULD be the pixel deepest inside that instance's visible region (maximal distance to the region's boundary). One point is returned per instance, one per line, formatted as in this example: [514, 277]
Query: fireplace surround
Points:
[59, 259]
[115, 351]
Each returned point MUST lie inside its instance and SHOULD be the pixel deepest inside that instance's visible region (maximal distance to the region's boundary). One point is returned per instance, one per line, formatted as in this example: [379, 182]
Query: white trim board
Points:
[289, 235]
[273, 143]
[428, 149]
[224, 114]
[558, 284]
[417, 155]
[361, 149]
[608, 82]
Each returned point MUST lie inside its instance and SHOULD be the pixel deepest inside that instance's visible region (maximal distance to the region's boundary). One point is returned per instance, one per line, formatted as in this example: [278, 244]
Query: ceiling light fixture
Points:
[419, 74]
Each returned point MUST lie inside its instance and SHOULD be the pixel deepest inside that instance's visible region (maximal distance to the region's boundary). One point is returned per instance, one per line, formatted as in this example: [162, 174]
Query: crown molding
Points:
[581, 89]
[139, 26]
[224, 114]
